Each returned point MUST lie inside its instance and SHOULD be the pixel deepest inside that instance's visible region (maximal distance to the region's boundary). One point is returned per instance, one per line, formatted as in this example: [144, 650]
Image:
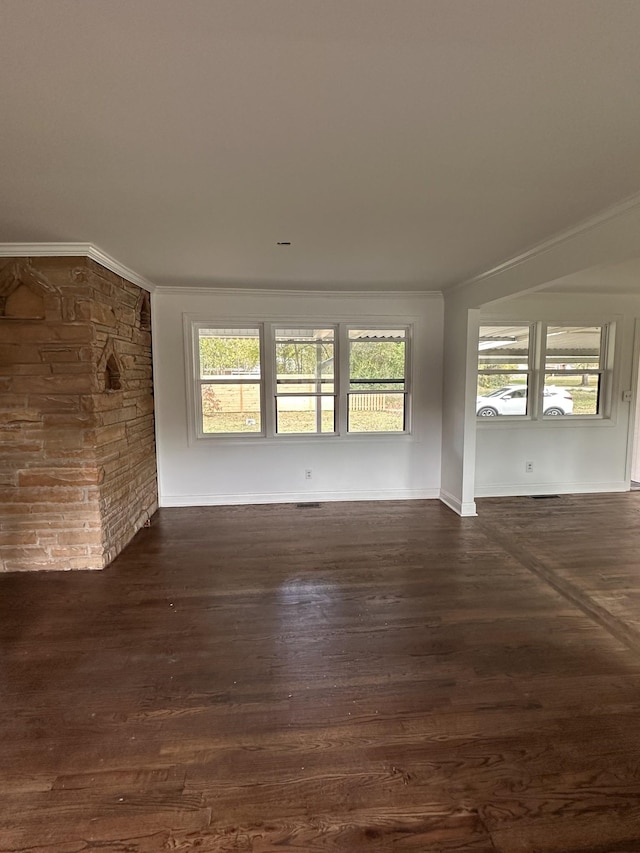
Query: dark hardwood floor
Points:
[358, 677]
[587, 546]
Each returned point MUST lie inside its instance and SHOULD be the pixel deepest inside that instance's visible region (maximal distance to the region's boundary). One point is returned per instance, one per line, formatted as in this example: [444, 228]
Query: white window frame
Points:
[529, 373]
[345, 373]
[537, 374]
[268, 375]
[318, 395]
[604, 371]
[195, 404]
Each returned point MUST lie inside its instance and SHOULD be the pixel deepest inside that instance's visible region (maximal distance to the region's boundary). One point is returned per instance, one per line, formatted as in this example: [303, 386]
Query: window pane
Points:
[377, 359]
[504, 394]
[328, 409]
[305, 414]
[229, 353]
[376, 412]
[375, 385]
[304, 386]
[305, 353]
[231, 408]
[575, 394]
[573, 348]
[503, 348]
[377, 334]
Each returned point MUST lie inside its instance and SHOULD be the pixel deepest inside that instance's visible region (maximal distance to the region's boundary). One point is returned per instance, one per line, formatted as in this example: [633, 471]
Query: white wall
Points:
[635, 453]
[568, 455]
[458, 409]
[226, 471]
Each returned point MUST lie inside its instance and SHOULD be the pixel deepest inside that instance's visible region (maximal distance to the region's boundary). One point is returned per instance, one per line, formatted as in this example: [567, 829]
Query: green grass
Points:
[584, 401]
[376, 421]
[223, 422]
[302, 422]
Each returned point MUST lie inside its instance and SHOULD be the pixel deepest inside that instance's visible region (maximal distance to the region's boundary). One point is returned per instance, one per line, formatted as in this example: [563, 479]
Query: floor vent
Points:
[310, 505]
[543, 497]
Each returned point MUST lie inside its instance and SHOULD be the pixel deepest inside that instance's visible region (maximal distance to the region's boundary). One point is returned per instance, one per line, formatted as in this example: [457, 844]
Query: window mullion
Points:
[407, 399]
[537, 364]
[269, 380]
[343, 378]
[318, 384]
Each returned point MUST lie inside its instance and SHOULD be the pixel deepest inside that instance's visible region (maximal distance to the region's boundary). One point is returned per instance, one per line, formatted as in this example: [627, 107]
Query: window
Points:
[503, 370]
[305, 387]
[230, 388]
[573, 365]
[279, 380]
[565, 375]
[377, 380]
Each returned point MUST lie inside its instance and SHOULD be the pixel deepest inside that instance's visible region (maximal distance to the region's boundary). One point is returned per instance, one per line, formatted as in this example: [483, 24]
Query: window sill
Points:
[261, 440]
[559, 422]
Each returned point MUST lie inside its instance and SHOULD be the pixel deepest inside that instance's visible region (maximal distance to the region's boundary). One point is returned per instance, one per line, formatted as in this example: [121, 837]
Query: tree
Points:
[222, 356]
[304, 359]
[377, 360]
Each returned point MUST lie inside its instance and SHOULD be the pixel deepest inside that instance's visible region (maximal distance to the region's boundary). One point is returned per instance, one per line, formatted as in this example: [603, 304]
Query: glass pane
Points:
[376, 412]
[305, 353]
[377, 359]
[377, 334]
[328, 409]
[504, 394]
[229, 353]
[575, 394]
[231, 408]
[503, 348]
[573, 348]
[304, 386]
[375, 385]
[304, 415]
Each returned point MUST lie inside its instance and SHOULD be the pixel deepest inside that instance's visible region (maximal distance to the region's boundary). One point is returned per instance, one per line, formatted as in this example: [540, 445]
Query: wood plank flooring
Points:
[588, 546]
[358, 677]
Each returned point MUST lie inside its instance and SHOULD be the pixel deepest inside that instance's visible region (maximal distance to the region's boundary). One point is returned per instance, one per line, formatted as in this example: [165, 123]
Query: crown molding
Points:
[627, 205]
[190, 290]
[75, 250]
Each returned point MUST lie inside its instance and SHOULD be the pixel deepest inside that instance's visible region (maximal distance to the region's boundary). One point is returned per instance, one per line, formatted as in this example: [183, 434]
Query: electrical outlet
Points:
[528, 467]
[307, 474]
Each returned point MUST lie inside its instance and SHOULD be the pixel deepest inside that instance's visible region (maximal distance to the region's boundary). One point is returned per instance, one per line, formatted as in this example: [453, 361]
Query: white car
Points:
[512, 400]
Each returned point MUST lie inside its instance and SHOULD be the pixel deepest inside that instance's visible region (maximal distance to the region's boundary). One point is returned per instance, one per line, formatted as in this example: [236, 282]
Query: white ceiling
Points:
[622, 279]
[401, 143]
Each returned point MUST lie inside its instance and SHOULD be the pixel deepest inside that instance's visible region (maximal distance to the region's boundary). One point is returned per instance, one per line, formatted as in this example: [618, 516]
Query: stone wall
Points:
[77, 450]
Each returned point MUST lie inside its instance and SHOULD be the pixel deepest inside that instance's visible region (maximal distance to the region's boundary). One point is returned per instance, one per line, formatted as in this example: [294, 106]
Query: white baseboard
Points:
[298, 497]
[466, 509]
[510, 490]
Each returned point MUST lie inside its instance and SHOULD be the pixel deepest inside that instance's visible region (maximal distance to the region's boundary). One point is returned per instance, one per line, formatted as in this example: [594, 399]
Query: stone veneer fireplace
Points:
[77, 447]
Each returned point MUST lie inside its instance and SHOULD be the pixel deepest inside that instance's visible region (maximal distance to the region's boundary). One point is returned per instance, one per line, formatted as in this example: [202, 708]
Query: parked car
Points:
[512, 400]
